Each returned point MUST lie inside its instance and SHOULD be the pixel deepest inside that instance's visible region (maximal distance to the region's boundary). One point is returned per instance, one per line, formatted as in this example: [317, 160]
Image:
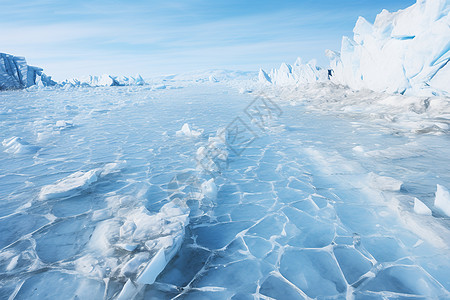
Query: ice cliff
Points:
[16, 74]
[404, 52]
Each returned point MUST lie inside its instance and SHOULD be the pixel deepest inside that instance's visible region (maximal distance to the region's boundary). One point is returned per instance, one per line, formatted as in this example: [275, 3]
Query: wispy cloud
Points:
[72, 38]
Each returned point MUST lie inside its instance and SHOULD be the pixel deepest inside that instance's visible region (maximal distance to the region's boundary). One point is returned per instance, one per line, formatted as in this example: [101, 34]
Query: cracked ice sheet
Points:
[298, 213]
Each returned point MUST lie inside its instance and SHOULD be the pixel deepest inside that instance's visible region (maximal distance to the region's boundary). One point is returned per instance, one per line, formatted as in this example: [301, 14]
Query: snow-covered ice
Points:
[115, 205]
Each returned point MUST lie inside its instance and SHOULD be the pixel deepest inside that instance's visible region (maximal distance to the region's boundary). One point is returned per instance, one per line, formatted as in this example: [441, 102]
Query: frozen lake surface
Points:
[95, 183]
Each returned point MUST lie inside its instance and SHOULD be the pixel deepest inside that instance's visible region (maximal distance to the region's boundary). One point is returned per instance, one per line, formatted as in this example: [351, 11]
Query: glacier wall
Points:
[405, 52]
[402, 52]
[16, 74]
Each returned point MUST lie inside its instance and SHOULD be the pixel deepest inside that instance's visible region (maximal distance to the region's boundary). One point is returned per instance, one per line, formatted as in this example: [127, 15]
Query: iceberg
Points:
[16, 74]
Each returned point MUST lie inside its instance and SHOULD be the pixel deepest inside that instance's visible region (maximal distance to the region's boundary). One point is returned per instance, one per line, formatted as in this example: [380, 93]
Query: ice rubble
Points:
[403, 52]
[135, 245]
[16, 74]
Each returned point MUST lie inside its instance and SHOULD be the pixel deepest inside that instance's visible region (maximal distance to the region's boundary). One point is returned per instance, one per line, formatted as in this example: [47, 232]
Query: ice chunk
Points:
[442, 200]
[209, 189]
[263, 77]
[153, 269]
[420, 208]
[129, 291]
[75, 182]
[131, 267]
[62, 124]
[186, 131]
[16, 145]
[384, 183]
[127, 247]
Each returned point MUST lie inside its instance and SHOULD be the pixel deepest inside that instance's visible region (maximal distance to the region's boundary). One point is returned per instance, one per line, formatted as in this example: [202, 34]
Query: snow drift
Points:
[16, 74]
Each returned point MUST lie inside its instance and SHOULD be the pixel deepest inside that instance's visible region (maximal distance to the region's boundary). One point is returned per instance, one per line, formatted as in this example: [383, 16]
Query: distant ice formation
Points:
[16, 74]
[293, 75]
[104, 80]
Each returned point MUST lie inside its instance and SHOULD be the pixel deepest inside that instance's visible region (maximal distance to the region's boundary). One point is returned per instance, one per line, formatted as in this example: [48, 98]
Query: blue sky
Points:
[75, 38]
